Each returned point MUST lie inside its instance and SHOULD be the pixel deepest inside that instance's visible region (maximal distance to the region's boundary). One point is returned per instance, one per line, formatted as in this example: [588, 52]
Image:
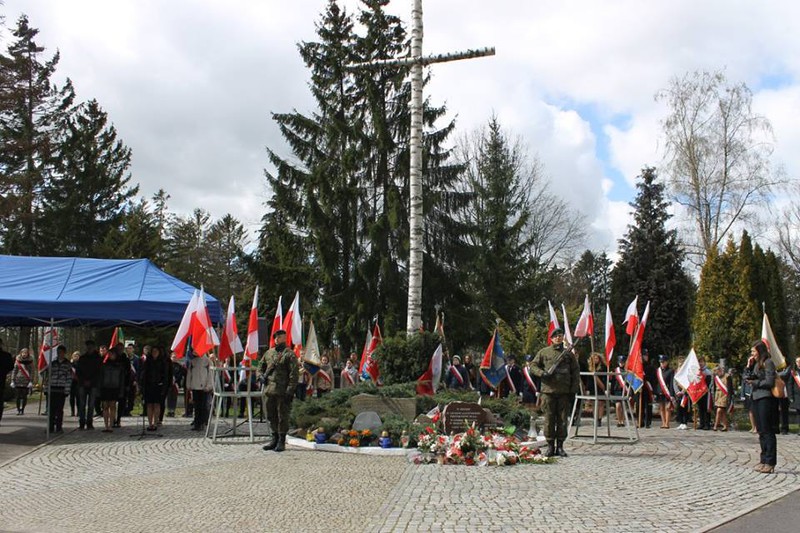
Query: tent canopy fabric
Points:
[92, 292]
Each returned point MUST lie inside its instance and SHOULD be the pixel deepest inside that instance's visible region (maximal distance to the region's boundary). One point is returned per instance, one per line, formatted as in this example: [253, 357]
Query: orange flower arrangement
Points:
[354, 443]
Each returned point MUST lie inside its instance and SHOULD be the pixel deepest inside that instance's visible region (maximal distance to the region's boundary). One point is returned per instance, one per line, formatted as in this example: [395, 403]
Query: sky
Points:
[190, 84]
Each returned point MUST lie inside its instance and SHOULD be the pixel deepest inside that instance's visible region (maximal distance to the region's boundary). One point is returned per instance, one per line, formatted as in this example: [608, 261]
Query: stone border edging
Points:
[747, 510]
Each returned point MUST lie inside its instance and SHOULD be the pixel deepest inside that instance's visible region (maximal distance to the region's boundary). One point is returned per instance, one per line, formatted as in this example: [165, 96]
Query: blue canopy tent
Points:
[69, 291]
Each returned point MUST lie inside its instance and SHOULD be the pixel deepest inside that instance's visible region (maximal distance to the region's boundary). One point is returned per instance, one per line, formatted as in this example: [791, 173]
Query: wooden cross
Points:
[415, 217]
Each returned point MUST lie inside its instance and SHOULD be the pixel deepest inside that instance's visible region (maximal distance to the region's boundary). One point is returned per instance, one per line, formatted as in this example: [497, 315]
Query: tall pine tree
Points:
[651, 266]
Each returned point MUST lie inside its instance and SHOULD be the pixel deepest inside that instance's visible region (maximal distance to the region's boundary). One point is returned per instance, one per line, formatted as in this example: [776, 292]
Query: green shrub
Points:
[403, 359]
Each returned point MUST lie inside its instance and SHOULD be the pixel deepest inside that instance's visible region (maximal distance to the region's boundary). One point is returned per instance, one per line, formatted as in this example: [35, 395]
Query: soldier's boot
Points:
[551, 449]
[281, 442]
[272, 444]
[560, 449]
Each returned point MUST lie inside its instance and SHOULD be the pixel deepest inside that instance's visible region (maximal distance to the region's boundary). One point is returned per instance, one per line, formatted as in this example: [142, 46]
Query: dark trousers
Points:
[86, 398]
[73, 397]
[56, 410]
[22, 398]
[278, 409]
[682, 414]
[766, 411]
[783, 411]
[703, 415]
[2, 396]
[200, 413]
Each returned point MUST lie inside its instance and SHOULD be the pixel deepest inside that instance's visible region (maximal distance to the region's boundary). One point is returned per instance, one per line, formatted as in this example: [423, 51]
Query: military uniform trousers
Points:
[556, 409]
[278, 408]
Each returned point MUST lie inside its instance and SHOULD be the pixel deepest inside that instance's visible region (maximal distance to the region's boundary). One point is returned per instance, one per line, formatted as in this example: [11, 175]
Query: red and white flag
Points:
[567, 332]
[277, 322]
[553, 324]
[204, 338]
[429, 381]
[185, 327]
[632, 317]
[585, 325]
[371, 369]
[230, 343]
[769, 339]
[293, 323]
[365, 352]
[611, 337]
[47, 352]
[635, 363]
[689, 377]
[251, 348]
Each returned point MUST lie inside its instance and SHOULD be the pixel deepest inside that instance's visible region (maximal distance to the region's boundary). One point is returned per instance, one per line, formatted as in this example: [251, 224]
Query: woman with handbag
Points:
[760, 373]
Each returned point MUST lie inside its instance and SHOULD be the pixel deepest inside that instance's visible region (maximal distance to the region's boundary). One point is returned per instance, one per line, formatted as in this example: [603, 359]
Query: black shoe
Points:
[551, 449]
[281, 442]
[560, 449]
[89, 426]
[272, 444]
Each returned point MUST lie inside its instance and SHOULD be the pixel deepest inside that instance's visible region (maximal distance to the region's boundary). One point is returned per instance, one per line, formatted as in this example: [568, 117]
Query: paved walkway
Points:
[670, 481]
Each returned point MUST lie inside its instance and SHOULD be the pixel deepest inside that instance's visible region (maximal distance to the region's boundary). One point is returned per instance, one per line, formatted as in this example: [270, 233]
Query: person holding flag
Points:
[457, 377]
[760, 373]
[280, 372]
[557, 367]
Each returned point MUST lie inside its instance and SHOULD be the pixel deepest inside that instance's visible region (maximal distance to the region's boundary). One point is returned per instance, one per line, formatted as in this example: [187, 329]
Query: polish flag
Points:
[585, 325]
[567, 332]
[371, 369]
[293, 323]
[611, 338]
[632, 317]
[47, 352]
[184, 329]
[553, 323]
[251, 349]
[365, 352]
[277, 322]
[429, 381]
[204, 338]
[635, 365]
[230, 343]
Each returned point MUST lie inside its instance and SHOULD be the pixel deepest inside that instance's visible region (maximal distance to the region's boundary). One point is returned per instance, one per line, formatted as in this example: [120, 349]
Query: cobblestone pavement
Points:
[670, 480]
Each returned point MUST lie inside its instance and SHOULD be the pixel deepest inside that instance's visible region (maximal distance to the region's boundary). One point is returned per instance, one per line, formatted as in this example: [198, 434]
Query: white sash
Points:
[720, 385]
[796, 377]
[325, 375]
[618, 377]
[456, 374]
[529, 379]
[510, 381]
[24, 371]
[348, 377]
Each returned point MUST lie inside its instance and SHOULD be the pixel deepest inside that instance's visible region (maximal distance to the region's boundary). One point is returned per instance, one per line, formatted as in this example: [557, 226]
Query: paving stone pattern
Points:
[669, 481]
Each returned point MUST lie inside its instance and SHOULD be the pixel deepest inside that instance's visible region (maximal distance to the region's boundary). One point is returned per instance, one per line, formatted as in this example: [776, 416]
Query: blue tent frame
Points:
[70, 291]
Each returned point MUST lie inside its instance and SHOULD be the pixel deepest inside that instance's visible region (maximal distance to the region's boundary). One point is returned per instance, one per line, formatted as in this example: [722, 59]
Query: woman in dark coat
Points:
[155, 383]
[760, 373]
[113, 384]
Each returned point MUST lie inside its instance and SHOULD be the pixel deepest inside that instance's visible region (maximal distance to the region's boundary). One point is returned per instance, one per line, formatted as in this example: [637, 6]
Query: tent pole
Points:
[48, 403]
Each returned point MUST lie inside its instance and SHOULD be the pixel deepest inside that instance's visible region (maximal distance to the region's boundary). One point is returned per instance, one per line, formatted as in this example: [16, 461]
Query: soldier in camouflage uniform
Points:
[560, 375]
[279, 368]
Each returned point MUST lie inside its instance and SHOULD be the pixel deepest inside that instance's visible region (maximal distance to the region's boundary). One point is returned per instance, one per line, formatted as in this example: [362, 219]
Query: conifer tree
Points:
[651, 266]
[31, 110]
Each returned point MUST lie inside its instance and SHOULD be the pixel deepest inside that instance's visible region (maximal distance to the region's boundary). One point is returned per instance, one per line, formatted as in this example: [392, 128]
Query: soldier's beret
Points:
[663, 357]
[279, 332]
[557, 331]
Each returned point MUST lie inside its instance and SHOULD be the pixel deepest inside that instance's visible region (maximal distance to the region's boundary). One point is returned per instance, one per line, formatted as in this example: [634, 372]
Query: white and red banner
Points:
[293, 323]
[585, 325]
[184, 329]
[611, 337]
[251, 347]
[690, 378]
[277, 322]
[429, 381]
[230, 343]
[632, 317]
[553, 324]
[567, 332]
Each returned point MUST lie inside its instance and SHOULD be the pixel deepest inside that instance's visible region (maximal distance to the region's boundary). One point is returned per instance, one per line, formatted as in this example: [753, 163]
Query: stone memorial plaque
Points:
[457, 416]
[367, 420]
[405, 407]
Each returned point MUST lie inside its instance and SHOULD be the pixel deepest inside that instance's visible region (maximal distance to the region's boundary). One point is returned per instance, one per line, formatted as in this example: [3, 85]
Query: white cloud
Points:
[190, 84]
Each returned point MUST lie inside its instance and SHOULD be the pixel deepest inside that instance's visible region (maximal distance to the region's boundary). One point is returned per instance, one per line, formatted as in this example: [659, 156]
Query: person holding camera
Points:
[280, 373]
[760, 374]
